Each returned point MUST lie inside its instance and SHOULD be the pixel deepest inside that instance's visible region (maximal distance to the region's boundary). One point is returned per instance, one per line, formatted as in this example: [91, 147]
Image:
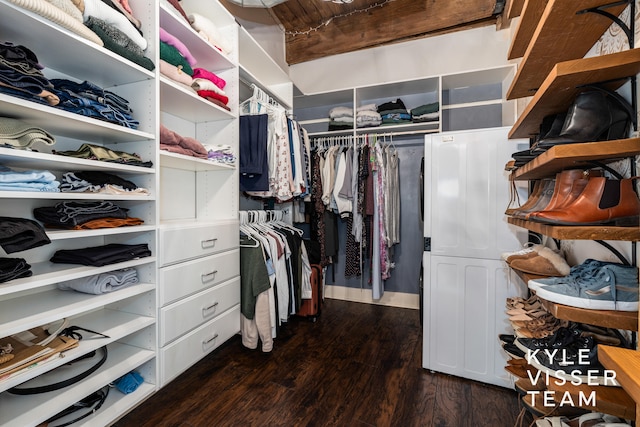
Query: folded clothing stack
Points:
[29, 180]
[426, 113]
[175, 143]
[210, 86]
[340, 118]
[221, 154]
[21, 75]
[104, 154]
[18, 134]
[99, 182]
[394, 113]
[20, 234]
[93, 101]
[368, 116]
[208, 30]
[118, 29]
[102, 283]
[14, 268]
[84, 215]
[98, 256]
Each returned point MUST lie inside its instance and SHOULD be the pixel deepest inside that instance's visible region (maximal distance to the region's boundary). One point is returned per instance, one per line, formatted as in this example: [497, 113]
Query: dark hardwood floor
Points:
[358, 365]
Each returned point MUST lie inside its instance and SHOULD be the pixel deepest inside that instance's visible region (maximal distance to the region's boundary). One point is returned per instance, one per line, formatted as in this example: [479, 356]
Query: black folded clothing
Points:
[14, 268]
[98, 256]
[20, 234]
[392, 105]
[71, 214]
[103, 178]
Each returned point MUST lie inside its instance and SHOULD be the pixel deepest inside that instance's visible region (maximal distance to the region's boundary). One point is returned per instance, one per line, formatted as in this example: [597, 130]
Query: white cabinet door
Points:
[465, 312]
[469, 192]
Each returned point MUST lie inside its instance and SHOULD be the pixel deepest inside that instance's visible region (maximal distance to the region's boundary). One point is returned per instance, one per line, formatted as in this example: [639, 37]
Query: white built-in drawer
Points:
[197, 240]
[191, 312]
[183, 353]
[180, 280]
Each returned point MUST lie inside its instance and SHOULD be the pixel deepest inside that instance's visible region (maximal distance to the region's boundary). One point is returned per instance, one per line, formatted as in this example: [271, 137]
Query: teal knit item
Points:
[173, 56]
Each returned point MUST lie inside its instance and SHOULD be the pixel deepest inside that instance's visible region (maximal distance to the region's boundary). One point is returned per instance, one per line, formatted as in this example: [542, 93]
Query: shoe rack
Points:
[552, 39]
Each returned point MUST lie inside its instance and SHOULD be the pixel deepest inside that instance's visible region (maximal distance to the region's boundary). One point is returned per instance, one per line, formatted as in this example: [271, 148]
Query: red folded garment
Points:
[218, 103]
[211, 94]
[201, 73]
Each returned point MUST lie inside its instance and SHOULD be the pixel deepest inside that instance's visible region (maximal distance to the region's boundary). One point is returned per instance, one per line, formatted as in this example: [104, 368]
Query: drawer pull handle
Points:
[205, 342]
[209, 243]
[212, 306]
[206, 277]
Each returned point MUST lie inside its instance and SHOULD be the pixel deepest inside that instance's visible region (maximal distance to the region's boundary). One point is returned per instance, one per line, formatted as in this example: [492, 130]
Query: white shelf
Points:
[207, 56]
[79, 234]
[48, 273]
[20, 410]
[71, 125]
[47, 195]
[402, 128]
[26, 312]
[36, 160]
[117, 404]
[21, 26]
[185, 103]
[181, 161]
[114, 324]
[257, 67]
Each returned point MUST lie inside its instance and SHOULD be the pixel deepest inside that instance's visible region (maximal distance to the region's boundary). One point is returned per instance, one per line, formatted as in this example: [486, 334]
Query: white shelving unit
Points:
[199, 286]
[257, 67]
[469, 100]
[127, 316]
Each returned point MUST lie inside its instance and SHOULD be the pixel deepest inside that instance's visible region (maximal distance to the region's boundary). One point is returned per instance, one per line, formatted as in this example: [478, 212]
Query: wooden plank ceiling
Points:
[388, 22]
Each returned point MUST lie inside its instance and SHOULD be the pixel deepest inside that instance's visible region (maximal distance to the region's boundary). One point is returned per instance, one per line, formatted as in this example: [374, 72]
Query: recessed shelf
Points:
[594, 232]
[562, 34]
[566, 80]
[573, 156]
[46, 195]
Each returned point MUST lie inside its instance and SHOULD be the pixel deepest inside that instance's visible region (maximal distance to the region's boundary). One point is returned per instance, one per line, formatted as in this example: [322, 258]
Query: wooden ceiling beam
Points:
[397, 20]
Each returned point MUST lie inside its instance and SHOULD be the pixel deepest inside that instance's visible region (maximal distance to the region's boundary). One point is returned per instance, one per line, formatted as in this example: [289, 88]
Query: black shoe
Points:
[560, 339]
[506, 338]
[594, 116]
[513, 351]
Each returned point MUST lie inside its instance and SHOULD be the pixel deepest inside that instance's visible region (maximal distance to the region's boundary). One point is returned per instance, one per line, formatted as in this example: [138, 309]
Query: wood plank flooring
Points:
[358, 365]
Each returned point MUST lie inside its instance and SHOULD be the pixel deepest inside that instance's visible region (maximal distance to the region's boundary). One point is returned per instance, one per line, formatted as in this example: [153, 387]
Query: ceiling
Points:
[318, 28]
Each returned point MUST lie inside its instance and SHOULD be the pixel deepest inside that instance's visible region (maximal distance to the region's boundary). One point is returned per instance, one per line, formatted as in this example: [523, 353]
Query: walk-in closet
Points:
[319, 213]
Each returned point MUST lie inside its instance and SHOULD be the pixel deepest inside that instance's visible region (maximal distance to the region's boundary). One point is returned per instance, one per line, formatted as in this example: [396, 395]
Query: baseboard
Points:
[392, 299]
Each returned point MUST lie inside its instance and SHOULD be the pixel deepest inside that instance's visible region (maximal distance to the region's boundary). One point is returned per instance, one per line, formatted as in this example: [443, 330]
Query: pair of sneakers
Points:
[596, 285]
[591, 419]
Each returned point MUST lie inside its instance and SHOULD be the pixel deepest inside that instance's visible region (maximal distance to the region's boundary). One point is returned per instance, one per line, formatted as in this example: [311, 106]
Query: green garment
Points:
[254, 277]
[173, 56]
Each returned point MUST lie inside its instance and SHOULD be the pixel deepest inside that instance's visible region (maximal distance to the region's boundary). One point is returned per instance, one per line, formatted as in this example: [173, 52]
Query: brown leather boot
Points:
[533, 197]
[569, 185]
[541, 202]
[603, 201]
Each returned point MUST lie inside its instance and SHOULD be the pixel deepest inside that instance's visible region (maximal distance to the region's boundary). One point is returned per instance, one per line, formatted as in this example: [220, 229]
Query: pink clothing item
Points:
[171, 141]
[206, 74]
[125, 5]
[211, 94]
[175, 73]
[170, 39]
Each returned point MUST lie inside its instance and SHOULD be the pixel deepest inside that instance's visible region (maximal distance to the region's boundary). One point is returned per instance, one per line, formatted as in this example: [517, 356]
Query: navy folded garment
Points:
[20, 234]
[98, 256]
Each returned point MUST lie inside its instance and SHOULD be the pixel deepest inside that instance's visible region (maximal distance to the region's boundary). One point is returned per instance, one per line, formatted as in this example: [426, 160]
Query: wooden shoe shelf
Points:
[565, 81]
[626, 363]
[562, 34]
[552, 38]
[609, 400]
[626, 320]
